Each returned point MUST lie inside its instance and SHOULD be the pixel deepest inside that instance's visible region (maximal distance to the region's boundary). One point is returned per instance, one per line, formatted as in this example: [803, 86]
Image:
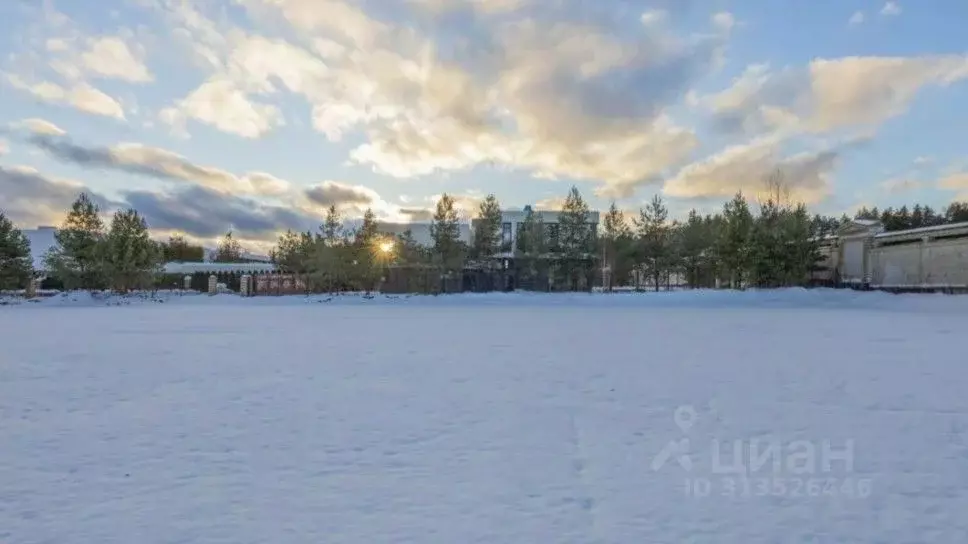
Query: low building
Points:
[863, 254]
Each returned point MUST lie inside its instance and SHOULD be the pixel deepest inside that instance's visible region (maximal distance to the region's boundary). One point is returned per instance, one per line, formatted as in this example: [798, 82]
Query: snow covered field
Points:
[495, 419]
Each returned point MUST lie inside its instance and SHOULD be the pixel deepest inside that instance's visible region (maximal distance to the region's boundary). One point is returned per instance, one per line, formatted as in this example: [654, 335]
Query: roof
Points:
[196, 267]
[918, 233]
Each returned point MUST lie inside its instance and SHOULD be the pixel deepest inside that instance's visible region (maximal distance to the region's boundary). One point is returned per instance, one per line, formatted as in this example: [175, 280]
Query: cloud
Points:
[891, 8]
[81, 96]
[38, 126]
[58, 60]
[157, 163]
[562, 94]
[856, 19]
[746, 167]
[31, 198]
[856, 93]
[724, 20]
[204, 213]
[654, 17]
[956, 181]
[220, 104]
[331, 193]
[110, 57]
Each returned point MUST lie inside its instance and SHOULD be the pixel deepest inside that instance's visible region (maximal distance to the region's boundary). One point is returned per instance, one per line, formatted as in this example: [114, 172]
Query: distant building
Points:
[41, 240]
[421, 231]
[512, 221]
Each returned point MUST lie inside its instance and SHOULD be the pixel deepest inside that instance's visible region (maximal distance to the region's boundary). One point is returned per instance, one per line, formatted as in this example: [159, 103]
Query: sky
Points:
[257, 115]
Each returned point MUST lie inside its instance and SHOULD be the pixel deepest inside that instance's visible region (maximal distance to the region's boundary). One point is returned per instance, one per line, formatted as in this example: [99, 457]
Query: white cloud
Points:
[58, 59]
[857, 93]
[536, 96]
[110, 57]
[891, 8]
[654, 17]
[745, 168]
[724, 21]
[81, 96]
[856, 19]
[221, 104]
[39, 126]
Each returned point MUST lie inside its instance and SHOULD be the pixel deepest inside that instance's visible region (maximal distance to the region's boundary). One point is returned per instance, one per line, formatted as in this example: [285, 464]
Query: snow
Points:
[510, 418]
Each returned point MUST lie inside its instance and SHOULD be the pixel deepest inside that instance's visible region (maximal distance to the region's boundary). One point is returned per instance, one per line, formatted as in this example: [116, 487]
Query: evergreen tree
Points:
[179, 250]
[956, 212]
[656, 242]
[696, 244]
[487, 229]
[16, 267]
[131, 258]
[531, 247]
[77, 258]
[362, 267]
[575, 238]
[616, 243]
[768, 247]
[733, 245]
[445, 231]
[332, 229]
[293, 251]
[229, 250]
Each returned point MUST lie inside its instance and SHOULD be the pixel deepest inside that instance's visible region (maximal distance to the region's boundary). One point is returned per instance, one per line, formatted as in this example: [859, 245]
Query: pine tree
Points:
[656, 240]
[177, 249]
[696, 243]
[487, 229]
[445, 231]
[77, 258]
[293, 251]
[16, 267]
[332, 229]
[616, 238]
[575, 238]
[733, 245]
[956, 212]
[229, 250]
[531, 247]
[131, 258]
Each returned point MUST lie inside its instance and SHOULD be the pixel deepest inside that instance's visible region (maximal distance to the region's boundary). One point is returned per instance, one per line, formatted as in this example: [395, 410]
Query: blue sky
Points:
[257, 114]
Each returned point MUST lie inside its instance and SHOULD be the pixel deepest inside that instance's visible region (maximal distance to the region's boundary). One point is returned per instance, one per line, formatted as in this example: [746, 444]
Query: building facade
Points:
[512, 222]
[929, 258]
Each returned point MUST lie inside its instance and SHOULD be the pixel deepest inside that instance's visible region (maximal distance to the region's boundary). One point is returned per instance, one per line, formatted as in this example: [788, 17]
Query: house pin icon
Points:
[685, 418]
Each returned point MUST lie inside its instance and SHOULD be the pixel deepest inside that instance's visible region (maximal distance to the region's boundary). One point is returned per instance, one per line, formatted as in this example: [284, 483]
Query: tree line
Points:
[91, 255]
[771, 242]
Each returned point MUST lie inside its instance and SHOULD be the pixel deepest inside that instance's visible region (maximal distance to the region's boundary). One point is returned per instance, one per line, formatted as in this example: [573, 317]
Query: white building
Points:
[421, 231]
[41, 240]
[512, 220]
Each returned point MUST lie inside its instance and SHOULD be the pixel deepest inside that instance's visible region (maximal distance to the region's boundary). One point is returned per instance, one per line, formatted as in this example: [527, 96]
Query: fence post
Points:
[187, 282]
[212, 284]
[245, 288]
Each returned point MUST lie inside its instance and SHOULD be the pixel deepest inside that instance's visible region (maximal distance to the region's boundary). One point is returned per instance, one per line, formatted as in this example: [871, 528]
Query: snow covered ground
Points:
[494, 419]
